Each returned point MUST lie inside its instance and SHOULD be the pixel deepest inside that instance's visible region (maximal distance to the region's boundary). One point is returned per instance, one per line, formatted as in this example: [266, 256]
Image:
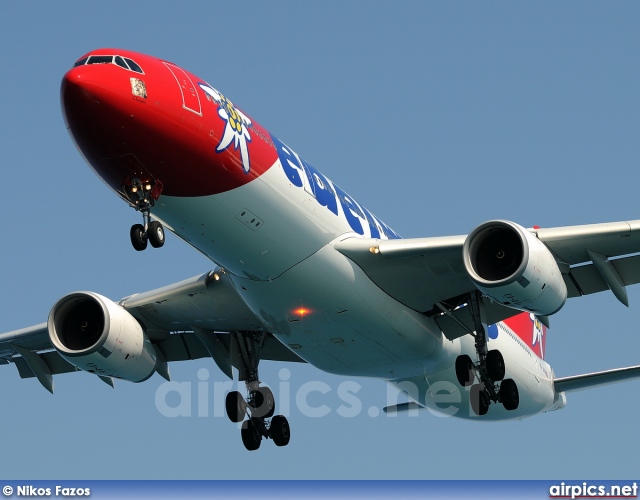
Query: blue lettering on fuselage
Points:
[351, 211]
[321, 188]
[327, 194]
[289, 161]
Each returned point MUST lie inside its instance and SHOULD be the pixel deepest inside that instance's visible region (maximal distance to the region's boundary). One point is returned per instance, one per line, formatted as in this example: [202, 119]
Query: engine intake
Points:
[97, 335]
[513, 267]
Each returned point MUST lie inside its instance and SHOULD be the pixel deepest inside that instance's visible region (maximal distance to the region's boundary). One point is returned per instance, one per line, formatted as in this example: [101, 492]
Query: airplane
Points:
[301, 272]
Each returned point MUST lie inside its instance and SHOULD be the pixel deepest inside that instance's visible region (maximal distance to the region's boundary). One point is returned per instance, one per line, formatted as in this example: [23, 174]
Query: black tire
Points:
[280, 431]
[251, 437]
[464, 370]
[235, 406]
[264, 405]
[155, 234]
[509, 394]
[138, 237]
[495, 365]
[479, 399]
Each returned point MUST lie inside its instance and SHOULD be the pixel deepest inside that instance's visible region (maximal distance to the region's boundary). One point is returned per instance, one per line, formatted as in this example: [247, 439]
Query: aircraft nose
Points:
[81, 87]
[96, 105]
[154, 122]
[89, 94]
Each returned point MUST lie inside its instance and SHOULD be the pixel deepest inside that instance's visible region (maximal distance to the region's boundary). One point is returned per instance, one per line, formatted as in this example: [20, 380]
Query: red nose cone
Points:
[160, 123]
[95, 115]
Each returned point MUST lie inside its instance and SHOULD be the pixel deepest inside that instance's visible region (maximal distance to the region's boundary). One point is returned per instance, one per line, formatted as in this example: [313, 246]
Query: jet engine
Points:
[513, 267]
[97, 335]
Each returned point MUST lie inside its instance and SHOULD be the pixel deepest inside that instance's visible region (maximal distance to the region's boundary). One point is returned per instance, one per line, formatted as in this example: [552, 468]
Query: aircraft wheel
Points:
[155, 233]
[495, 365]
[264, 405]
[280, 431]
[235, 406]
[464, 370]
[251, 437]
[509, 394]
[138, 237]
[479, 399]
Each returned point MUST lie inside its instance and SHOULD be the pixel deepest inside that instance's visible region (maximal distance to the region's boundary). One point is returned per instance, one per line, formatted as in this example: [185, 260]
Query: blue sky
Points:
[436, 116]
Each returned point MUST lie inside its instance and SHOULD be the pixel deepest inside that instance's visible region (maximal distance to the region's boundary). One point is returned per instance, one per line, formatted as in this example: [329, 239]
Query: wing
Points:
[425, 273]
[187, 320]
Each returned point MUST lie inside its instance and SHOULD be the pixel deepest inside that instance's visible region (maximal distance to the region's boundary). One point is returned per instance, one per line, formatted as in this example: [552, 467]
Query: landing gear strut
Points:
[142, 196]
[489, 370]
[259, 406]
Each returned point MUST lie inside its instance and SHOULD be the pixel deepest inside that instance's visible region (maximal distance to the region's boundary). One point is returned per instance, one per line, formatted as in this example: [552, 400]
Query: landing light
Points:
[374, 249]
[302, 311]
[134, 189]
[216, 276]
[148, 187]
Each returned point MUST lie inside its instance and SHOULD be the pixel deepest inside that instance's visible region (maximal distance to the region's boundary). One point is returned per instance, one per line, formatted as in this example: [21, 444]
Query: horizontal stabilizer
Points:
[403, 407]
[589, 380]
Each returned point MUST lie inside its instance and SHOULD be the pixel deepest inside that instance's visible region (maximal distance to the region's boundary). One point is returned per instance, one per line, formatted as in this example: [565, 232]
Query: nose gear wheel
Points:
[142, 195]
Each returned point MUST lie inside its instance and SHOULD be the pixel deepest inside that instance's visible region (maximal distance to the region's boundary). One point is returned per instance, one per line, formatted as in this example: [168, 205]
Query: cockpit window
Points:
[117, 60]
[100, 60]
[134, 66]
[120, 62]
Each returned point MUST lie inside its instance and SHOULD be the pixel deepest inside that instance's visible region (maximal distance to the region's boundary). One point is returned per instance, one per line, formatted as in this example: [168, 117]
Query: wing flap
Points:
[52, 359]
[586, 279]
[186, 345]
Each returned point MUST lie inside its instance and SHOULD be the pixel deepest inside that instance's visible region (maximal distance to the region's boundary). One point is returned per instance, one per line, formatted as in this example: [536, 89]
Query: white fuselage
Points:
[276, 241]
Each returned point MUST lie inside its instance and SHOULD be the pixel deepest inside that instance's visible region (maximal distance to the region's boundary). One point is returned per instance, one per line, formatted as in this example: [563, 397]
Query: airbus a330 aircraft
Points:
[302, 272]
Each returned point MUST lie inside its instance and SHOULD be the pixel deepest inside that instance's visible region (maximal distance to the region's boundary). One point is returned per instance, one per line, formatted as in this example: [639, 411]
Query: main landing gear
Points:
[489, 371]
[142, 196]
[259, 406]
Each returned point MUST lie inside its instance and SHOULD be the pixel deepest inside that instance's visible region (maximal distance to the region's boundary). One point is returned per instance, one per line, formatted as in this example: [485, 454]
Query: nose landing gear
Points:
[151, 232]
[142, 196]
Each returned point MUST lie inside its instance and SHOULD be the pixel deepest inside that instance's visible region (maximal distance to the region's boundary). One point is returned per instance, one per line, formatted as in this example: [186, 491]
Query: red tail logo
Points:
[530, 330]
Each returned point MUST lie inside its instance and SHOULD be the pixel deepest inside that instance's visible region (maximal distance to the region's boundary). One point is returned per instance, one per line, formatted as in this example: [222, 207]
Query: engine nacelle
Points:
[97, 335]
[513, 267]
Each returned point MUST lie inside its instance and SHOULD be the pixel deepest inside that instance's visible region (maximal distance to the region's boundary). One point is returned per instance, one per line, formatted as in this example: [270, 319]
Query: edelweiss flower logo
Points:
[236, 129]
[538, 332]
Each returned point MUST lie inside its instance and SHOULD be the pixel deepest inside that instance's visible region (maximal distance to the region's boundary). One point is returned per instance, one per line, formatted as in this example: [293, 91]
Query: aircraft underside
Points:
[304, 272]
